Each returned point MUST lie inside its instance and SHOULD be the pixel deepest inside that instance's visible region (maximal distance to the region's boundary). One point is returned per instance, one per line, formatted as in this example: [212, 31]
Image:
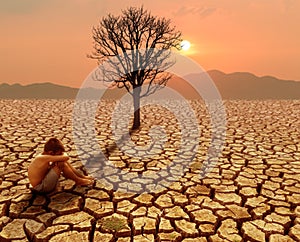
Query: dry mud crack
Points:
[252, 194]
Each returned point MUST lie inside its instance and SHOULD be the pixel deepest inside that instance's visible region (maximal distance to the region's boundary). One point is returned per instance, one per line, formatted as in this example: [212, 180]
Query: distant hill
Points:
[49, 91]
[38, 91]
[238, 85]
[241, 85]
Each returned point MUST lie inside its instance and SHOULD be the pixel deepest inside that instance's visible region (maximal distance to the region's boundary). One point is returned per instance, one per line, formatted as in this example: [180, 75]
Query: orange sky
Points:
[48, 40]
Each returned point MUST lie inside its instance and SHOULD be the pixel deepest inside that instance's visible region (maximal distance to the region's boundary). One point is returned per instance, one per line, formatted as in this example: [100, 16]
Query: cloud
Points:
[200, 11]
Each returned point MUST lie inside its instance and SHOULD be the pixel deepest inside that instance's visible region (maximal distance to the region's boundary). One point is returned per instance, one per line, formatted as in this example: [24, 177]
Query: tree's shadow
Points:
[113, 147]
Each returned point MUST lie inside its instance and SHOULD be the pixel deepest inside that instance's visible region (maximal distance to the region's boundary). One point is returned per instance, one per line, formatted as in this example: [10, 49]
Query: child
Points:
[45, 169]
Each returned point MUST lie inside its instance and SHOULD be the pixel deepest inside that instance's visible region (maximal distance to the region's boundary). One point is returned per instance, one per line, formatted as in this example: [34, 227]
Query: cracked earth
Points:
[252, 194]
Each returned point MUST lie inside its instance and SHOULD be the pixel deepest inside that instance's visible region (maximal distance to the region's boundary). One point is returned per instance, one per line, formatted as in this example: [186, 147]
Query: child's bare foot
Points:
[85, 182]
[89, 177]
[86, 177]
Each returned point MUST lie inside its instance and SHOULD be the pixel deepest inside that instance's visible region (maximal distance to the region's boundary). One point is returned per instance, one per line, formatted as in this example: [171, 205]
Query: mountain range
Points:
[238, 85]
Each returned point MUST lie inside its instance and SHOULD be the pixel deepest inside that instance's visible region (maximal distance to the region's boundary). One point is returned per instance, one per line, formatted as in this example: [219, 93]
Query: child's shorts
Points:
[48, 184]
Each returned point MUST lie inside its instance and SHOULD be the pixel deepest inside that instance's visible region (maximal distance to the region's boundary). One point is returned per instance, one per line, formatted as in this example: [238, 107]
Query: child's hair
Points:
[54, 145]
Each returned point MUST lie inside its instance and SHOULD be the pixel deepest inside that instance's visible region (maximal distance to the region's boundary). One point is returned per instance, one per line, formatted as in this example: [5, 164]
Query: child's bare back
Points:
[41, 165]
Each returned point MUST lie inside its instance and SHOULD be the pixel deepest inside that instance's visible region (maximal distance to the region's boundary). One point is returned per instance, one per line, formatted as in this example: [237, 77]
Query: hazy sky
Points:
[48, 40]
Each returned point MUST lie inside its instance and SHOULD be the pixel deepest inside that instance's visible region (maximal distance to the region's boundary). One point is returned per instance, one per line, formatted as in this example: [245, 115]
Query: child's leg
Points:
[77, 172]
[69, 173]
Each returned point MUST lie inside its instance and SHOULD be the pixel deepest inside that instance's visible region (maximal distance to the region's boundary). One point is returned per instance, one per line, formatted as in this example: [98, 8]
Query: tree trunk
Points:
[136, 105]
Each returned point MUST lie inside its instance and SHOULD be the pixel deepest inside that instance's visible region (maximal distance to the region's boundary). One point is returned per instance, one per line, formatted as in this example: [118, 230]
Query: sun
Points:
[185, 45]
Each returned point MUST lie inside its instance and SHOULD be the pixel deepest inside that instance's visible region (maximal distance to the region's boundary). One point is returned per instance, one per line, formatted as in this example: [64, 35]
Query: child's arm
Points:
[54, 158]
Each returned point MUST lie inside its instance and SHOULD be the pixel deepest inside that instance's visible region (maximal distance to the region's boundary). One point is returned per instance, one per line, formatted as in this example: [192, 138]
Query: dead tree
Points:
[136, 48]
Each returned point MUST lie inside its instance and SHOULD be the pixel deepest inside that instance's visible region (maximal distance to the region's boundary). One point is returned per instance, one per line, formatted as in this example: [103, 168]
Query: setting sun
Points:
[185, 45]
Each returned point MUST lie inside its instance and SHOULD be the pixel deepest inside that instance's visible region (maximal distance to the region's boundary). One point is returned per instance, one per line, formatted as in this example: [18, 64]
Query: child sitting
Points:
[44, 171]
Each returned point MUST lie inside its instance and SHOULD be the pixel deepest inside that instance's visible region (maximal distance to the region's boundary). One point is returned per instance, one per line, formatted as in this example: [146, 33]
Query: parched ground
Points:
[252, 194]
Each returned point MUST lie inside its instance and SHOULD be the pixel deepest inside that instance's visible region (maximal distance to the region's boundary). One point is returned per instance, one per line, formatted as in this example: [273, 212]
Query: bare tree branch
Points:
[136, 49]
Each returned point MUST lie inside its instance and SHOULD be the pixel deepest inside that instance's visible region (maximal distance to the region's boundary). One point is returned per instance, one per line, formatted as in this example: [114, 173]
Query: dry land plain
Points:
[251, 194]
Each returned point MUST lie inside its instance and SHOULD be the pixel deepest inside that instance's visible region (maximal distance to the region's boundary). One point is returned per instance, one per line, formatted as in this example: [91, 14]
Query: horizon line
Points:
[212, 70]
